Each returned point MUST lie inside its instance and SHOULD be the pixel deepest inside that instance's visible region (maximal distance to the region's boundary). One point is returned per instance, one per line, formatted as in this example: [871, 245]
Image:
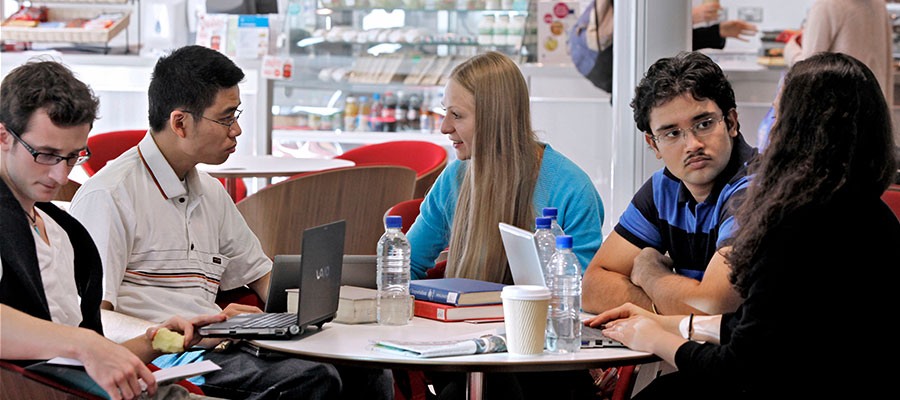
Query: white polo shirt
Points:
[167, 245]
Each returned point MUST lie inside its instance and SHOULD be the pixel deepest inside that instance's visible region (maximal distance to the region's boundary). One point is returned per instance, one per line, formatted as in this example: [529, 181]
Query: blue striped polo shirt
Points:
[664, 215]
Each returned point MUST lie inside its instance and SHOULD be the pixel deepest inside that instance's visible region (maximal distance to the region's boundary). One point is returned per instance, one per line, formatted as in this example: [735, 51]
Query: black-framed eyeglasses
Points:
[53, 159]
[700, 129]
[228, 123]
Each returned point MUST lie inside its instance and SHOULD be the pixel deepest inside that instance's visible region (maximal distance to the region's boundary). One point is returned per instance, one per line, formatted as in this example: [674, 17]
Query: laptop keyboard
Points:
[271, 320]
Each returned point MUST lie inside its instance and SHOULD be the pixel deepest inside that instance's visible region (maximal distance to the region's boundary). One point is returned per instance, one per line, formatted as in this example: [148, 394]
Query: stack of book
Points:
[457, 299]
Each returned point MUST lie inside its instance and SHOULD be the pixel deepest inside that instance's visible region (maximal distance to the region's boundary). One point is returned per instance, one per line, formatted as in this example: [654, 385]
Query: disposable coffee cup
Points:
[525, 317]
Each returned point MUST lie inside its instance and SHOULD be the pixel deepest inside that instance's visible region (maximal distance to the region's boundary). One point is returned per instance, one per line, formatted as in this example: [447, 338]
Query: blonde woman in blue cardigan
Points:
[502, 174]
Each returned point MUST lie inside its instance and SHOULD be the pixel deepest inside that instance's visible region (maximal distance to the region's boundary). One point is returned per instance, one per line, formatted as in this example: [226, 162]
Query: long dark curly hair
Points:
[832, 138]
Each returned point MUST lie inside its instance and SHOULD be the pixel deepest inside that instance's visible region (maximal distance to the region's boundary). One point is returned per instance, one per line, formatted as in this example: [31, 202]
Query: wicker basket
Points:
[72, 35]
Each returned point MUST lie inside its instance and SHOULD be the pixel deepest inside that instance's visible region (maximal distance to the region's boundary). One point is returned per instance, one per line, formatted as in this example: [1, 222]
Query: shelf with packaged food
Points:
[361, 68]
[87, 24]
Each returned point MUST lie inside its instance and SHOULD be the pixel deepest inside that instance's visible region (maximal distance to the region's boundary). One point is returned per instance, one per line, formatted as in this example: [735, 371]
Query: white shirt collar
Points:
[162, 173]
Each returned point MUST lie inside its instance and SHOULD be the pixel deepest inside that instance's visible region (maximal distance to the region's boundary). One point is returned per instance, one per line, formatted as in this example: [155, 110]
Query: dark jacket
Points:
[21, 286]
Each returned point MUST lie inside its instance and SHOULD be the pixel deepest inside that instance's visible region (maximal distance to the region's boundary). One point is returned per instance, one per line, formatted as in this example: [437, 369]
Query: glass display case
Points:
[368, 71]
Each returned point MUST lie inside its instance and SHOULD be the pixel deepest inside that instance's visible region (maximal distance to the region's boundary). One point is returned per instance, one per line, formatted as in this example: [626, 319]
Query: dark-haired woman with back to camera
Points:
[815, 258]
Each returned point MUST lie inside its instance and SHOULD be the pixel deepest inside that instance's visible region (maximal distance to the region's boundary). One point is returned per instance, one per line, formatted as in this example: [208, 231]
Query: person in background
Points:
[502, 174]
[713, 36]
[859, 28]
[812, 232]
[170, 236]
[50, 279]
[662, 255]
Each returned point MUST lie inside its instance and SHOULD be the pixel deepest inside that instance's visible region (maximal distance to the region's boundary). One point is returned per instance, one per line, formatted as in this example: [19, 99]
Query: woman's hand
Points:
[736, 29]
[187, 327]
[638, 332]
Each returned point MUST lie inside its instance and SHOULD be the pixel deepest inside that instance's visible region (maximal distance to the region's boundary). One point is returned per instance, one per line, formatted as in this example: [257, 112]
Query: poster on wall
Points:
[555, 20]
[238, 36]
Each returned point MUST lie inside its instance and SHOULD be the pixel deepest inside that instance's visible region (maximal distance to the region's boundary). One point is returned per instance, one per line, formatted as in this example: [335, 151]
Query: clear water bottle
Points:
[546, 242]
[393, 275]
[551, 212]
[563, 322]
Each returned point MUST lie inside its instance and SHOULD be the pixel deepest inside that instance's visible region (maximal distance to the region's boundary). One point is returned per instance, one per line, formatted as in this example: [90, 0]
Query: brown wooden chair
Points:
[67, 191]
[279, 213]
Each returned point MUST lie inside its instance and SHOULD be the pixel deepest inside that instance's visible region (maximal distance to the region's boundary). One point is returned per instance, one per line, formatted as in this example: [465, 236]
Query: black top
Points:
[21, 286]
[819, 307]
[707, 37]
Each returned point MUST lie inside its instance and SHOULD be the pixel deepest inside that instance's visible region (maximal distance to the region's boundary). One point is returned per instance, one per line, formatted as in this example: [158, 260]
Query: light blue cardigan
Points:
[560, 184]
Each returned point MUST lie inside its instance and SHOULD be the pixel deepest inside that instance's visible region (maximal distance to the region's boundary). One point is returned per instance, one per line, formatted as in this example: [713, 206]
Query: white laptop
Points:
[522, 254]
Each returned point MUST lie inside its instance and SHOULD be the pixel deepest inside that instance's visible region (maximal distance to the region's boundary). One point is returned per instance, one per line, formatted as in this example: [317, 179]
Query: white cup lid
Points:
[525, 292]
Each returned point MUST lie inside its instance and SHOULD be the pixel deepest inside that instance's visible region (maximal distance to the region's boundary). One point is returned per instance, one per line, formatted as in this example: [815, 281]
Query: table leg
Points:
[474, 385]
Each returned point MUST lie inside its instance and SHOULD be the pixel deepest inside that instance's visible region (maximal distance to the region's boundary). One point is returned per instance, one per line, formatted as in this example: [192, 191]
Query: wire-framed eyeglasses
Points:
[700, 129]
[228, 122]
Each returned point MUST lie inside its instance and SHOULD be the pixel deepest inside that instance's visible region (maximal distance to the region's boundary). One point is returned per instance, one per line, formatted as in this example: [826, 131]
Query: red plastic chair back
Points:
[421, 157]
[107, 146]
[409, 210]
[892, 198]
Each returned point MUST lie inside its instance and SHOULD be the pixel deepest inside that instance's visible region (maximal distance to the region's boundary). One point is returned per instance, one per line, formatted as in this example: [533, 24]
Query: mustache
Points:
[696, 156]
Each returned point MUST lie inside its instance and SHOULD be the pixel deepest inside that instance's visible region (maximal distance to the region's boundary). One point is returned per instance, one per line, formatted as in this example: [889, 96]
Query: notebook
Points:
[319, 280]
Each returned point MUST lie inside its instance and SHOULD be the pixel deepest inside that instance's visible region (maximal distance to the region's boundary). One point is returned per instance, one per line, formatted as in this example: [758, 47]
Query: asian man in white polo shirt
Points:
[171, 238]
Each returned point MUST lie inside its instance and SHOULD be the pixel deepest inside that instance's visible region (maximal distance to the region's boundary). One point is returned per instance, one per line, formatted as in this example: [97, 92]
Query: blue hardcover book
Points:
[456, 291]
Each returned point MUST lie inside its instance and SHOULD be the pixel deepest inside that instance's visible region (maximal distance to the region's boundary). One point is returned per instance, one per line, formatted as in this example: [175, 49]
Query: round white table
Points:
[353, 345]
[243, 166]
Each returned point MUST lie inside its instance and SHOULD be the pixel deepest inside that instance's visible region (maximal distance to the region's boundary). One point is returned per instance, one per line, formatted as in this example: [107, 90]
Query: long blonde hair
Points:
[499, 179]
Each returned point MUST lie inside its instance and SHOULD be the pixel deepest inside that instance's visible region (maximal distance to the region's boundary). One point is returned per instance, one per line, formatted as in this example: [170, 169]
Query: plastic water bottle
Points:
[545, 241]
[393, 275]
[563, 322]
[551, 212]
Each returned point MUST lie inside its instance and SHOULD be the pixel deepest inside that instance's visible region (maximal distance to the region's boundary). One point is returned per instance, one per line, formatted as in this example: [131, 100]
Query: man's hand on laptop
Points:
[234, 309]
[187, 327]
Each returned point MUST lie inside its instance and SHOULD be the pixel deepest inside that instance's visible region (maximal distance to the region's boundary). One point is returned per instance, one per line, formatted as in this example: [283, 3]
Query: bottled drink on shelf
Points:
[516, 30]
[551, 212]
[400, 111]
[501, 29]
[486, 30]
[375, 120]
[546, 243]
[412, 113]
[563, 322]
[438, 118]
[392, 259]
[351, 112]
[362, 120]
[425, 115]
[387, 113]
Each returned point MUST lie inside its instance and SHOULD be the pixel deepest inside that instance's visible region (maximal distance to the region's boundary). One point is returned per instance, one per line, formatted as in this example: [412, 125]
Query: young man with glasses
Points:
[50, 280]
[665, 253]
[171, 238]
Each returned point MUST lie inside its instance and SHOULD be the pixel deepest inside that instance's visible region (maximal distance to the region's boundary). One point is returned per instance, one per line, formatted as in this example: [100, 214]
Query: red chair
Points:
[409, 210]
[427, 159]
[891, 196]
[105, 147]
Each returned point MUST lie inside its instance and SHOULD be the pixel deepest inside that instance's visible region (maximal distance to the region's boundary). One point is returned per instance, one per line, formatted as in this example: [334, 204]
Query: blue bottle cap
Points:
[550, 212]
[542, 223]
[393, 221]
[563, 242]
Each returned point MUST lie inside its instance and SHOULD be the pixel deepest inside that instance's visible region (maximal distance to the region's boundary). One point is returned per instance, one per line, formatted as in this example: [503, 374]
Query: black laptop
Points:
[319, 282]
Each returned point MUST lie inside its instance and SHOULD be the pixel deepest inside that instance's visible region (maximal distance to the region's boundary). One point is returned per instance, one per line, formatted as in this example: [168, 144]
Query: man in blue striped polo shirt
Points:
[666, 251]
